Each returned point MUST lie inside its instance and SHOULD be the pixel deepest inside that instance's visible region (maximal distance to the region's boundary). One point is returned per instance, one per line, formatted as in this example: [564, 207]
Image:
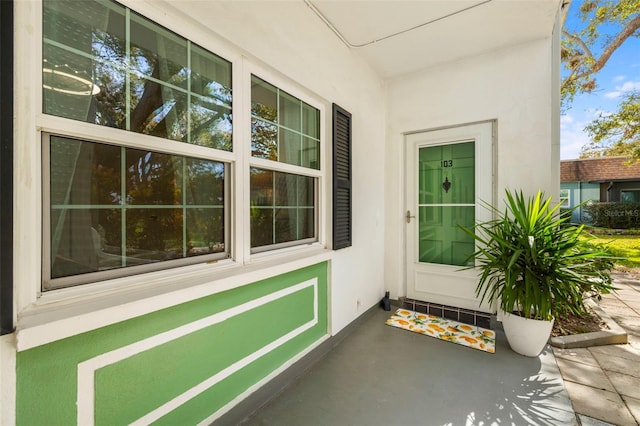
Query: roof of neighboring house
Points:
[599, 170]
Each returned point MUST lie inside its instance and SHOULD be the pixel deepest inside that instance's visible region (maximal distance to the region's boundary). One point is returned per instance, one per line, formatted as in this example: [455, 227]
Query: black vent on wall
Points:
[6, 166]
[341, 178]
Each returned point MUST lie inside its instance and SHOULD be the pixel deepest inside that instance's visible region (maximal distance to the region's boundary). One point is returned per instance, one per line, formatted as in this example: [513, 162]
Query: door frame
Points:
[484, 155]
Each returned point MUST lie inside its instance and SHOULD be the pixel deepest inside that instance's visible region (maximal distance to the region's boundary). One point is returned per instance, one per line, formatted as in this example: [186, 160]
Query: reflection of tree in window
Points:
[168, 96]
[172, 207]
[152, 179]
[205, 226]
[115, 206]
[282, 207]
[264, 135]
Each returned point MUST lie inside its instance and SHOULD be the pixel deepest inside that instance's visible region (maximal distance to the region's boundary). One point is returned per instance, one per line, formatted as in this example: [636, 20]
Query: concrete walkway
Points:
[603, 382]
[382, 376]
[379, 375]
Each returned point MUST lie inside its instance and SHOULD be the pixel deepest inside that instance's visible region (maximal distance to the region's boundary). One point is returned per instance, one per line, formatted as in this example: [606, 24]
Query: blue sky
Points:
[620, 74]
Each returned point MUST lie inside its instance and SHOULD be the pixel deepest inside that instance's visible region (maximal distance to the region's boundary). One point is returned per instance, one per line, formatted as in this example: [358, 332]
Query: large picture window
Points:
[154, 180]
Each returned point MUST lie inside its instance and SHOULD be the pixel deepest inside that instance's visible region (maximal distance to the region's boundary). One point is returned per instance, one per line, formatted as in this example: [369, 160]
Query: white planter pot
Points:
[526, 336]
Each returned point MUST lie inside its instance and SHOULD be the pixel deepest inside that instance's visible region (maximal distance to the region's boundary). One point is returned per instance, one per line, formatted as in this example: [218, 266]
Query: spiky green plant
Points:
[532, 261]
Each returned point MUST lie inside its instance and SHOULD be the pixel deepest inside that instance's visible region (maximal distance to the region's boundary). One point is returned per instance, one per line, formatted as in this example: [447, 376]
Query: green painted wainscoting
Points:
[178, 365]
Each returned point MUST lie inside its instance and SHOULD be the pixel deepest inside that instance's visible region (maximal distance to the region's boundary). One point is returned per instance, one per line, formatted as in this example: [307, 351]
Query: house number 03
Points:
[446, 163]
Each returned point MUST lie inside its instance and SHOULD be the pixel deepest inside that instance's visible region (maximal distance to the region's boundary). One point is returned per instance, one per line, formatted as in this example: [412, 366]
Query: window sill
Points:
[68, 312]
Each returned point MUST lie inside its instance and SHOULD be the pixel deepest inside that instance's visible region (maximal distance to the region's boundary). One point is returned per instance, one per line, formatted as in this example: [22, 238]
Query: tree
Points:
[587, 51]
[608, 24]
[616, 134]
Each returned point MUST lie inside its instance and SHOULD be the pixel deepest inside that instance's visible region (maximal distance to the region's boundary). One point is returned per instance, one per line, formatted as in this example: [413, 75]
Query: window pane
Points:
[204, 183]
[264, 139]
[210, 75]
[310, 121]
[309, 154]
[153, 235]
[95, 97]
[306, 223]
[84, 74]
[630, 196]
[153, 178]
[282, 207]
[286, 224]
[68, 90]
[564, 198]
[289, 147]
[114, 207]
[85, 240]
[261, 226]
[286, 189]
[205, 231]
[157, 52]
[210, 123]
[447, 174]
[147, 84]
[83, 173]
[158, 110]
[440, 238]
[290, 112]
[283, 128]
[264, 100]
[306, 192]
[261, 187]
[94, 28]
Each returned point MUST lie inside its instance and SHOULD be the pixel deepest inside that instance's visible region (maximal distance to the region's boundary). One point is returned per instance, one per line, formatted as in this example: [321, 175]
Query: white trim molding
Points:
[87, 369]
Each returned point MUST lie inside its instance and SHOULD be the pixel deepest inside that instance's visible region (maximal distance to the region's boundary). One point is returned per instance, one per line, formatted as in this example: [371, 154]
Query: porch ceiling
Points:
[401, 36]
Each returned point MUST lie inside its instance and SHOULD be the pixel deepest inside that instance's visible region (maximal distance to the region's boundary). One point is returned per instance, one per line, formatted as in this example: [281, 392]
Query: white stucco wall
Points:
[292, 41]
[288, 41]
[513, 86]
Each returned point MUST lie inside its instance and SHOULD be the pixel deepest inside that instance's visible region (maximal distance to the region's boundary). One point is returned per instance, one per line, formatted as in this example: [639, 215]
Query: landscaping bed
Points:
[571, 324]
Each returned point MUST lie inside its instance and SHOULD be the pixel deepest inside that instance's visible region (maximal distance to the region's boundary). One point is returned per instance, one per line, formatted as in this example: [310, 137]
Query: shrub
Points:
[614, 215]
[531, 260]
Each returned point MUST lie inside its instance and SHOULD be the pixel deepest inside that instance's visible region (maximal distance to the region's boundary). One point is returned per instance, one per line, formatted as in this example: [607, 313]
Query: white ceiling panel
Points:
[400, 36]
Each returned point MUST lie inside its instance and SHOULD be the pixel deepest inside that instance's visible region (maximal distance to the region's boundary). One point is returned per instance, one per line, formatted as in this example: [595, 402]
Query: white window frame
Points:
[319, 175]
[32, 123]
[277, 166]
[565, 200]
[50, 284]
[69, 128]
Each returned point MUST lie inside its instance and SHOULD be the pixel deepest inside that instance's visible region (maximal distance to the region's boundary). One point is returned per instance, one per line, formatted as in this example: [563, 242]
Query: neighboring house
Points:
[196, 194]
[608, 179]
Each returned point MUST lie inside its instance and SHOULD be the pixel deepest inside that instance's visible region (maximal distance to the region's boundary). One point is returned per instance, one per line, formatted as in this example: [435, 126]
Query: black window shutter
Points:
[6, 166]
[341, 178]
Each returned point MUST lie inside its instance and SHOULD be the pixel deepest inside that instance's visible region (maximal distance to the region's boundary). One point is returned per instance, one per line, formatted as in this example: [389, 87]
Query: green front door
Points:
[448, 172]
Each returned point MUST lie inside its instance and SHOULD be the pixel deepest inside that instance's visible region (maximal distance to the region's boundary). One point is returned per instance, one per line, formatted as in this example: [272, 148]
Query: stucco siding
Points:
[513, 87]
[59, 333]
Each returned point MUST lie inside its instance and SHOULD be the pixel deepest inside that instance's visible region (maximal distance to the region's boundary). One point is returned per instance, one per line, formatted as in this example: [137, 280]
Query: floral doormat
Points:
[444, 329]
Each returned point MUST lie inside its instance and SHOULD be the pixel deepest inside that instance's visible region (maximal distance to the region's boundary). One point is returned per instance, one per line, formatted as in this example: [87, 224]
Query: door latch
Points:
[408, 216]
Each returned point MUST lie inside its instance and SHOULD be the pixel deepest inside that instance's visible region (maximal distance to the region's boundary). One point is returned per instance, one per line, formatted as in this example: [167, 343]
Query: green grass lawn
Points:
[626, 247]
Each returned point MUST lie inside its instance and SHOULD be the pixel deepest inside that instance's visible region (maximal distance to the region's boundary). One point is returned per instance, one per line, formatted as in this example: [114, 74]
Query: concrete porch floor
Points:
[380, 375]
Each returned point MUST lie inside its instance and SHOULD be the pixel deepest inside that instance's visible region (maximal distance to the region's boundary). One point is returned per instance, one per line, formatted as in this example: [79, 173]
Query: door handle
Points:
[408, 216]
